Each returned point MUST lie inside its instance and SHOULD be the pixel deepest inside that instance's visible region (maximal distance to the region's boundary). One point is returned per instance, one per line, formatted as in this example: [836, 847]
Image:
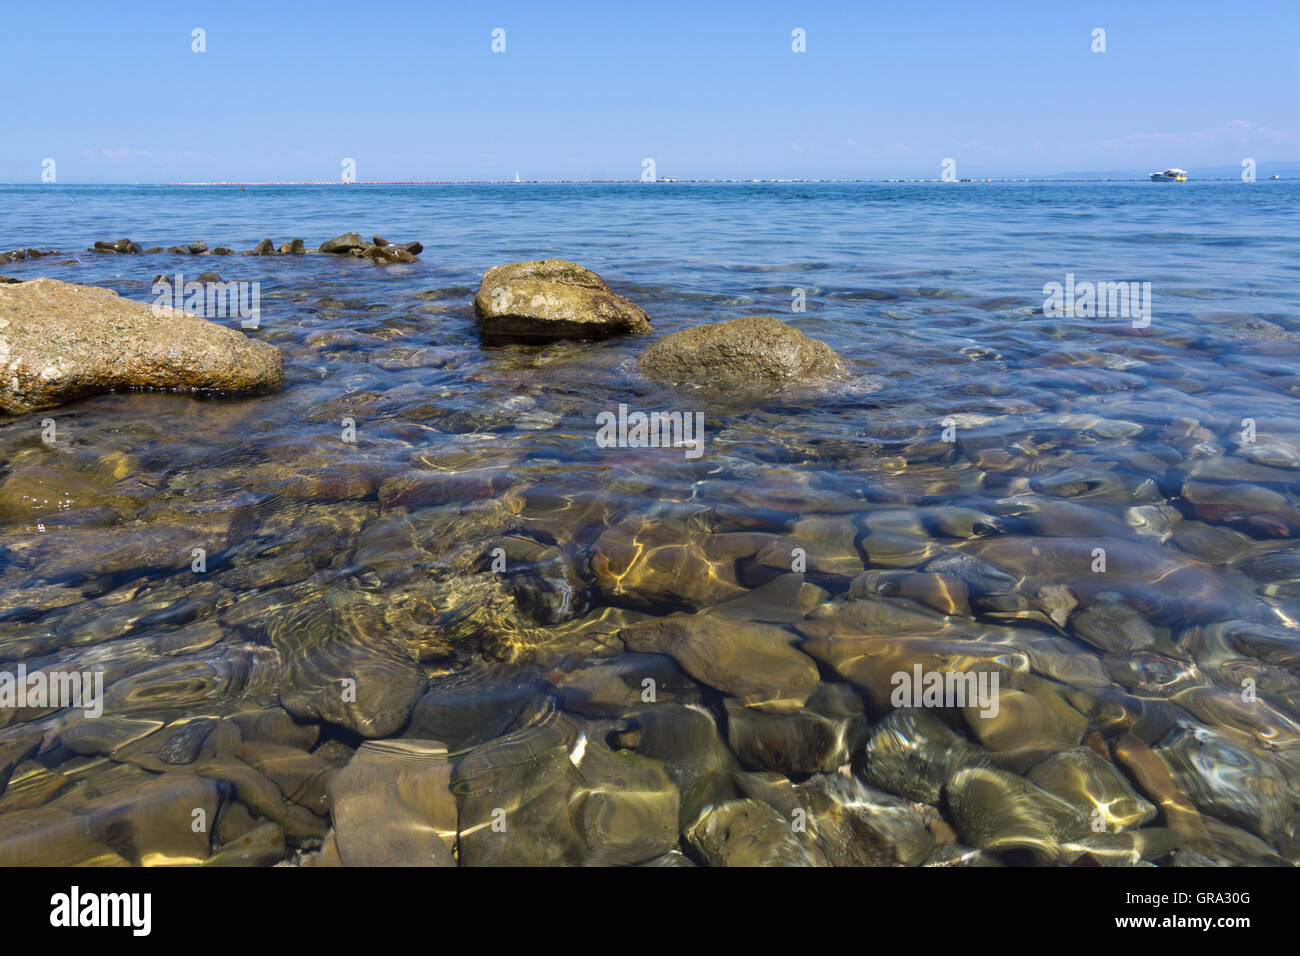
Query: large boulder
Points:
[553, 299]
[344, 243]
[754, 350]
[60, 341]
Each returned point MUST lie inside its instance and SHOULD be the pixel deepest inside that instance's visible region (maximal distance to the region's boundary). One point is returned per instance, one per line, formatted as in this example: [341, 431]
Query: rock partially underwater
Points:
[60, 342]
[553, 299]
[750, 351]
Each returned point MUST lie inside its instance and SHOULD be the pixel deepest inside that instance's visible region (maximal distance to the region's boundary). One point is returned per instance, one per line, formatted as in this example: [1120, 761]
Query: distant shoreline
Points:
[638, 182]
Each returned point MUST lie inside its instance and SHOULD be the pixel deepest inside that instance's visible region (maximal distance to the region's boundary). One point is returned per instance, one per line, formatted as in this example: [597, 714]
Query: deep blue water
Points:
[1218, 241]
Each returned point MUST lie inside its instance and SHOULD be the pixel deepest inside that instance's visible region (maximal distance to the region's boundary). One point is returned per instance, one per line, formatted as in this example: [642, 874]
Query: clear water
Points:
[1069, 434]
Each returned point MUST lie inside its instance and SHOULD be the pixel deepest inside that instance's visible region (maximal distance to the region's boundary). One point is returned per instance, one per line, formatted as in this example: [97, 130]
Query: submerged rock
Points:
[1093, 784]
[517, 796]
[301, 777]
[852, 824]
[106, 734]
[621, 685]
[1115, 627]
[263, 796]
[957, 855]
[32, 785]
[392, 805]
[942, 592]
[261, 846]
[747, 833]
[828, 546]
[470, 707]
[685, 740]
[553, 299]
[1157, 581]
[342, 665]
[749, 350]
[1153, 776]
[1227, 845]
[753, 661]
[870, 643]
[998, 811]
[135, 819]
[273, 725]
[1256, 508]
[183, 746]
[628, 811]
[1026, 725]
[774, 789]
[818, 738]
[656, 563]
[1127, 848]
[913, 753]
[60, 342]
[1225, 778]
[544, 579]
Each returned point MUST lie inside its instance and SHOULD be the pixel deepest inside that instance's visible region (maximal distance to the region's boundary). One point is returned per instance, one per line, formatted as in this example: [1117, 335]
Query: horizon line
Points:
[653, 182]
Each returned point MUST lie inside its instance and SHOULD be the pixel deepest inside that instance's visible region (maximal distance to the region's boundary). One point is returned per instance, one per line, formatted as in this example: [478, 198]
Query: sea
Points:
[1065, 450]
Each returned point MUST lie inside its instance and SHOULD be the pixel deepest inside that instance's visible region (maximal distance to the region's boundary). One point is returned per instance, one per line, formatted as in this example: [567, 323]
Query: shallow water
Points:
[1176, 661]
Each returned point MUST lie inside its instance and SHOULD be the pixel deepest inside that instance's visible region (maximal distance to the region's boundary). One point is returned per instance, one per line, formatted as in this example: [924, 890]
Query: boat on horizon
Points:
[1170, 176]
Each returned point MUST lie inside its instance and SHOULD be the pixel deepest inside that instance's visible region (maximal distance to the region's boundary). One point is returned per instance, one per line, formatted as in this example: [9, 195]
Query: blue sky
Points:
[412, 91]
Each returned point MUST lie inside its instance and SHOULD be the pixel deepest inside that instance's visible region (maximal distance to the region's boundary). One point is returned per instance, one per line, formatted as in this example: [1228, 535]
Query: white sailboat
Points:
[517, 179]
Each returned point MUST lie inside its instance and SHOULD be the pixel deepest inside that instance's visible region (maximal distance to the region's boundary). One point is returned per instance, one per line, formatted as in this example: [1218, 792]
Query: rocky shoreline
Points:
[59, 342]
[377, 249]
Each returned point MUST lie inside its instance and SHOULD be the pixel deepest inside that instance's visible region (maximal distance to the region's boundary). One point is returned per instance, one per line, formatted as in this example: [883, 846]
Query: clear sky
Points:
[113, 91]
